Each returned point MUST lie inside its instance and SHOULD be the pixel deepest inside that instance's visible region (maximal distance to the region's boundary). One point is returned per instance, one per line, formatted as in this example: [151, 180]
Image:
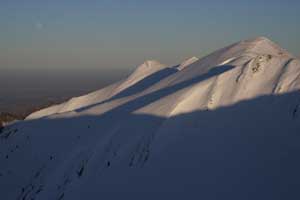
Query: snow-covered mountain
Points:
[226, 126]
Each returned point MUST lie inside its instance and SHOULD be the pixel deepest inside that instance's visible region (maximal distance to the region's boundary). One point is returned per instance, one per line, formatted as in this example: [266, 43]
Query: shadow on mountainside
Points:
[145, 83]
[140, 86]
[245, 151]
[248, 150]
[156, 95]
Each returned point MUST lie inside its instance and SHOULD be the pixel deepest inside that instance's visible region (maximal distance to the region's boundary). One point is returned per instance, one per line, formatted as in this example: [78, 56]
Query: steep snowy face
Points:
[212, 128]
[257, 67]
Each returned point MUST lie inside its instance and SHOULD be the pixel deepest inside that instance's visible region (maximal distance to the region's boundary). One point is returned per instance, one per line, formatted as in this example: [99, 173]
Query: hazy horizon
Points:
[118, 34]
[22, 91]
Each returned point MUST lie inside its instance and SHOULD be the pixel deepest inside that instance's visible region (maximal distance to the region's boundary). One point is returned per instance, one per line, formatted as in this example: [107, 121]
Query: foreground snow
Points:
[222, 127]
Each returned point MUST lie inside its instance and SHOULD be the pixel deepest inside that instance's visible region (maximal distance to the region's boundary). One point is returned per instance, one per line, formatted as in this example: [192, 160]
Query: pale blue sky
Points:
[91, 34]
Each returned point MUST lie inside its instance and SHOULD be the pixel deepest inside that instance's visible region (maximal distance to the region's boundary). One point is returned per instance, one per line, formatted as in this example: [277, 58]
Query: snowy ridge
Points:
[212, 128]
[243, 50]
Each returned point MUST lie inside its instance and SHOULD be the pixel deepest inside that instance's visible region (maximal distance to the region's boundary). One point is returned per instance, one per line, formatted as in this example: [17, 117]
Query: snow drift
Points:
[222, 127]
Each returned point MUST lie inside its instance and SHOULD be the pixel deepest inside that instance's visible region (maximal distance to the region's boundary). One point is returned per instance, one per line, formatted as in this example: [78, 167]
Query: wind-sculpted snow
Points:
[223, 127]
[187, 63]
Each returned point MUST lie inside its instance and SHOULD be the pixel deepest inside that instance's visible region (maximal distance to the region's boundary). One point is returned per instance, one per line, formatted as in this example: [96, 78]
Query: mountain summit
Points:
[225, 126]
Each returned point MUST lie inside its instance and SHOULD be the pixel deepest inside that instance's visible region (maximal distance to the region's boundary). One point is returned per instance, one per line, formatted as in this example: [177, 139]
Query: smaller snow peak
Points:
[187, 62]
[148, 66]
[151, 63]
[146, 69]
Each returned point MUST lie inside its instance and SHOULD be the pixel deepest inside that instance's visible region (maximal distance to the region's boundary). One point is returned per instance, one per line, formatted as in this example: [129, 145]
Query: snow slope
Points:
[222, 127]
[144, 70]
